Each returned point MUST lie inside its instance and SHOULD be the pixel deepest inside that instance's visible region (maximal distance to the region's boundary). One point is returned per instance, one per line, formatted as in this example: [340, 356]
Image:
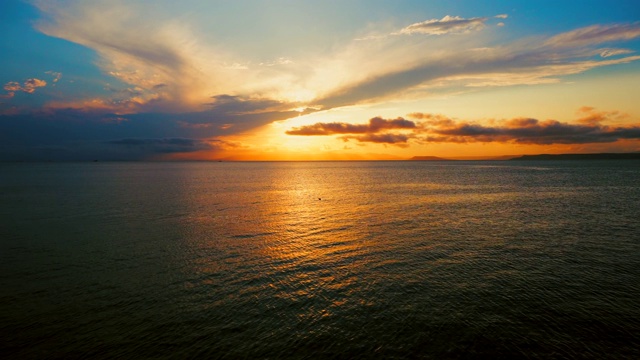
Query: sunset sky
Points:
[316, 80]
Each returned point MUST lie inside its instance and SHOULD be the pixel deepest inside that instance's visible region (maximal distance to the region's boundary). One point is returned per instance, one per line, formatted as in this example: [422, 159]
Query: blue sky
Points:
[148, 80]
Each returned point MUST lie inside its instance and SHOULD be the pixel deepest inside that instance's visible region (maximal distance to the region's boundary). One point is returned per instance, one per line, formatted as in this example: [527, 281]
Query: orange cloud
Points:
[375, 125]
[387, 138]
[440, 129]
[589, 115]
[29, 87]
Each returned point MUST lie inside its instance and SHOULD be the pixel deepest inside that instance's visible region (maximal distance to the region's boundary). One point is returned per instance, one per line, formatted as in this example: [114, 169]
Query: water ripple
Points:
[397, 260]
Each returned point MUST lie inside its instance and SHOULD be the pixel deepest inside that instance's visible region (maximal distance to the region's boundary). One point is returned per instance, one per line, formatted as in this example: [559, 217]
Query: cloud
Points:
[387, 138]
[278, 61]
[375, 125]
[176, 67]
[596, 34]
[177, 72]
[12, 86]
[605, 53]
[178, 86]
[143, 51]
[88, 132]
[165, 148]
[164, 145]
[435, 128]
[528, 131]
[589, 115]
[446, 25]
[56, 75]
[29, 87]
[243, 105]
[532, 62]
[375, 131]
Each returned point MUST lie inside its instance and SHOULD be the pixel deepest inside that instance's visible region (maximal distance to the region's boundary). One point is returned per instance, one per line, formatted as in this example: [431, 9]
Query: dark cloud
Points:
[244, 105]
[171, 145]
[389, 138]
[375, 131]
[526, 131]
[89, 134]
[375, 124]
[441, 129]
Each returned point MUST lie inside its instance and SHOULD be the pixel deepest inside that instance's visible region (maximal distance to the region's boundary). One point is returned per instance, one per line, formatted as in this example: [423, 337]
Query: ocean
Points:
[306, 260]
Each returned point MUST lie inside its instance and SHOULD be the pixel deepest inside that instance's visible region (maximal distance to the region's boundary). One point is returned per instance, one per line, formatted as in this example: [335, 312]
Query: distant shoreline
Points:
[593, 156]
[596, 156]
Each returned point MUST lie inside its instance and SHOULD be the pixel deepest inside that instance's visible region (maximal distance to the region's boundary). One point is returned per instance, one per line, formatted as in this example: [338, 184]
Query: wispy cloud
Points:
[595, 34]
[56, 75]
[244, 105]
[161, 57]
[446, 25]
[177, 72]
[532, 62]
[605, 53]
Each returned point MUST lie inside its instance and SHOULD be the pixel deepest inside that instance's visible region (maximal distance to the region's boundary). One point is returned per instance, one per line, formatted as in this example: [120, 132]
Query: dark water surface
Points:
[320, 260]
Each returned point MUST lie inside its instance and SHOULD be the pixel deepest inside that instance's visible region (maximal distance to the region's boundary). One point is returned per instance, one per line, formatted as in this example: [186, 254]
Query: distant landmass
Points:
[597, 156]
[429, 158]
[436, 158]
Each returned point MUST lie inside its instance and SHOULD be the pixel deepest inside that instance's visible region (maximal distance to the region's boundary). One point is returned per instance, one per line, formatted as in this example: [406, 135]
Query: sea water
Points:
[320, 259]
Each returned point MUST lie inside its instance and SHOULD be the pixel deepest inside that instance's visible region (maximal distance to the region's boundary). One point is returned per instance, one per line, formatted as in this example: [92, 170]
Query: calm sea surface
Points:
[320, 260]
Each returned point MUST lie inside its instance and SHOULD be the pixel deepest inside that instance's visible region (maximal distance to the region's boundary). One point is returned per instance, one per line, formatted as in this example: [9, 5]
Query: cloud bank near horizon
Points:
[590, 128]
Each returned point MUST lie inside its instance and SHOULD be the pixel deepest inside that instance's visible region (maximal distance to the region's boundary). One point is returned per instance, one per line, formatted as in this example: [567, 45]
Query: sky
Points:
[316, 80]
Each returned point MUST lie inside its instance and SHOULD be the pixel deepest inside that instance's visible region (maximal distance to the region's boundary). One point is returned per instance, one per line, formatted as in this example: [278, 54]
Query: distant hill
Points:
[429, 158]
[598, 156]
